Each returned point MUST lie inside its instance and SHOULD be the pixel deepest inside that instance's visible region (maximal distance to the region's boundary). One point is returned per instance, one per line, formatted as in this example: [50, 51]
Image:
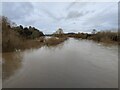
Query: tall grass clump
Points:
[10, 39]
[54, 41]
[106, 37]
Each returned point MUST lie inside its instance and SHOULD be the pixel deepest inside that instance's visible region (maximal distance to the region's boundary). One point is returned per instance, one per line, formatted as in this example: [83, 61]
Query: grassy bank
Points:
[55, 41]
[103, 36]
[19, 38]
[106, 37]
[35, 43]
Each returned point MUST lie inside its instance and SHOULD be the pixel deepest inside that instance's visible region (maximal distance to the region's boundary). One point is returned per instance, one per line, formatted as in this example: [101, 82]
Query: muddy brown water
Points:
[72, 64]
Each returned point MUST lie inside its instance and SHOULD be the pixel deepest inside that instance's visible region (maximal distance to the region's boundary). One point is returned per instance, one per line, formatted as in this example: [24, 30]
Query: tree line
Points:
[14, 36]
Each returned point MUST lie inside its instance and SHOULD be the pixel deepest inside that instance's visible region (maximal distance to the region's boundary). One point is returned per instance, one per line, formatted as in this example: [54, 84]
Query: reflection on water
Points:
[72, 64]
[10, 63]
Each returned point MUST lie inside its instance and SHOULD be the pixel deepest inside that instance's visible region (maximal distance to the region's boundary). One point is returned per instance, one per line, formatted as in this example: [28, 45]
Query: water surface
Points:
[72, 64]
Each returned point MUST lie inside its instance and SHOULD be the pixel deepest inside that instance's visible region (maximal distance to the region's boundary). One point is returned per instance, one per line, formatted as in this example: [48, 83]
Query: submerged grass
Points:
[34, 43]
[55, 41]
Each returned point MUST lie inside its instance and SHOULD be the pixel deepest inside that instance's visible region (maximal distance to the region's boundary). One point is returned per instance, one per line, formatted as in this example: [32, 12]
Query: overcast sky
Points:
[71, 16]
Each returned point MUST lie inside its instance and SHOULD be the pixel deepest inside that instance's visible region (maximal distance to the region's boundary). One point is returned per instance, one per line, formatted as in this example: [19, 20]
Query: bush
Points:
[107, 37]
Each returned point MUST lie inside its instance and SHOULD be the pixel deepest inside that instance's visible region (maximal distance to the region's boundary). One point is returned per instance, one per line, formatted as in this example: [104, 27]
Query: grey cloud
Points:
[103, 21]
[27, 21]
[70, 5]
[74, 14]
[51, 15]
[17, 10]
[77, 15]
[78, 4]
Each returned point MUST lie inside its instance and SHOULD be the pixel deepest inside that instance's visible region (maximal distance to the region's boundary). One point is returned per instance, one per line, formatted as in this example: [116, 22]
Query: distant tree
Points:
[13, 24]
[94, 31]
[27, 32]
[72, 33]
[59, 31]
[21, 27]
[26, 28]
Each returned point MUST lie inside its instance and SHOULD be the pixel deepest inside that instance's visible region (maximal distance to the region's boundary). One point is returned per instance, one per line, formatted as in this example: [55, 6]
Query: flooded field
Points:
[71, 64]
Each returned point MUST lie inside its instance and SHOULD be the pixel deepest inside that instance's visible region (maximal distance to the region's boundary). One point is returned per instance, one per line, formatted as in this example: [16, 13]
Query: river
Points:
[72, 64]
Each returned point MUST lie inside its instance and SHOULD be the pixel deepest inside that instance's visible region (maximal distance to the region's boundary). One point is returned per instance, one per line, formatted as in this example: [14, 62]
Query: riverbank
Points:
[16, 38]
[106, 37]
[35, 43]
[55, 41]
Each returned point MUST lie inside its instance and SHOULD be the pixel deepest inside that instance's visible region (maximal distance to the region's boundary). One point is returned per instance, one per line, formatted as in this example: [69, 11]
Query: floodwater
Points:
[72, 64]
